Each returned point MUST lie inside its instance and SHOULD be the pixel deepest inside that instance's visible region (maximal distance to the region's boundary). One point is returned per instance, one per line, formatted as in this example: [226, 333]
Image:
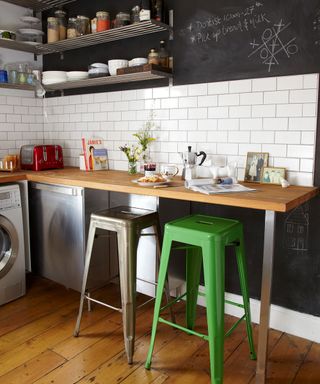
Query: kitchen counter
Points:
[269, 198]
[266, 197]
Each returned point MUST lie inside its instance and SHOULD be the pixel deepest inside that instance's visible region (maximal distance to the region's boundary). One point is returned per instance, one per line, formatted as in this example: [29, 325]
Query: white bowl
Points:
[138, 61]
[115, 64]
[47, 74]
[77, 75]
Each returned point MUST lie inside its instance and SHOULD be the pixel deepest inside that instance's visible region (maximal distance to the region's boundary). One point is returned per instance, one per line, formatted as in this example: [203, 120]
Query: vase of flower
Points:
[132, 167]
[133, 154]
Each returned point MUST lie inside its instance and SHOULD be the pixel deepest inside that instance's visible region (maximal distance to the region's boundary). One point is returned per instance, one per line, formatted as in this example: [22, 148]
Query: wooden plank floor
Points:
[37, 346]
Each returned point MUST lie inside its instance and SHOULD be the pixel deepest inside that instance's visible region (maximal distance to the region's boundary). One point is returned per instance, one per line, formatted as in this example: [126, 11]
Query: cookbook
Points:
[95, 154]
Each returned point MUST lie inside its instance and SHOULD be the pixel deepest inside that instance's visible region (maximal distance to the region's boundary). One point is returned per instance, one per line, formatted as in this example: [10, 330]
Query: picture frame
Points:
[272, 175]
[255, 162]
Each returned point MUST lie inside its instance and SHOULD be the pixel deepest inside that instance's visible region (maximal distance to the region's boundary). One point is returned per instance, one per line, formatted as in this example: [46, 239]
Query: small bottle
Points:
[156, 10]
[163, 55]
[145, 11]
[153, 57]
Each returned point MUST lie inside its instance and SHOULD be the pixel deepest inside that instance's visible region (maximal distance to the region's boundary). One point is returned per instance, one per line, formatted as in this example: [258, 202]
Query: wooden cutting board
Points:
[142, 68]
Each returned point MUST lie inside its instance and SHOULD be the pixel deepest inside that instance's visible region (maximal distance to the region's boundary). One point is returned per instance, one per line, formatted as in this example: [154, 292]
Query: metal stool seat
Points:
[128, 223]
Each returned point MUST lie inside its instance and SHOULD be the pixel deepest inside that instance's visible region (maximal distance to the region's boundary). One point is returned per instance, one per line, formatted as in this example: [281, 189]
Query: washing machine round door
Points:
[8, 245]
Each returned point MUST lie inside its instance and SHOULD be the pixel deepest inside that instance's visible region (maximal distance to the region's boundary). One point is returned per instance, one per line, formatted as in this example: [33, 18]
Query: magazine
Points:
[95, 155]
[209, 188]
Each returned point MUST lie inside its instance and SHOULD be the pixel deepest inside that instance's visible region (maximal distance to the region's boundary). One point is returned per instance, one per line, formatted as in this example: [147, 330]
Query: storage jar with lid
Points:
[83, 25]
[72, 28]
[122, 19]
[103, 21]
[163, 55]
[62, 23]
[53, 29]
[153, 57]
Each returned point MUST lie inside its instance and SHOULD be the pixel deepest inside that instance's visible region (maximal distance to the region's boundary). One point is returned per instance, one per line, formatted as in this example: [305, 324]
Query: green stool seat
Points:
[205, 239]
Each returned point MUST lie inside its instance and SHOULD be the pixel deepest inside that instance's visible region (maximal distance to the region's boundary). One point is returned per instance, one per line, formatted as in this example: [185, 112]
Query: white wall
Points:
[276, 115]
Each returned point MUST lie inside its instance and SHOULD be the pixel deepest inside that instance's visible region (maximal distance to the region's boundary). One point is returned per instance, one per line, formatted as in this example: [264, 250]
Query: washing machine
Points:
[12, 251]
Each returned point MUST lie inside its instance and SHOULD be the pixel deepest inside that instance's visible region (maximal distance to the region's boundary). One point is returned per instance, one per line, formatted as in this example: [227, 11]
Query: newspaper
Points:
[209, 188]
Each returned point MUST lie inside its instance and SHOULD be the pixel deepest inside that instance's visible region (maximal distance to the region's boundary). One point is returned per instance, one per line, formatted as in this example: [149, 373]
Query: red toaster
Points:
[41, 157]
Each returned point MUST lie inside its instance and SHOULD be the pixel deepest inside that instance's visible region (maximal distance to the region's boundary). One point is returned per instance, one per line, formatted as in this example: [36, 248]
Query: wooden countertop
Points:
[266, 197]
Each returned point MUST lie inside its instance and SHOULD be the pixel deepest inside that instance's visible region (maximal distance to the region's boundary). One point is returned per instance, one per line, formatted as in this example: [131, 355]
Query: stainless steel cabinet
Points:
[59, 218]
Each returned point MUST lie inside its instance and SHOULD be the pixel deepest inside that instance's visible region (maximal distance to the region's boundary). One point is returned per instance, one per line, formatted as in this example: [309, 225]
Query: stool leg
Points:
[193, 269]
[157, 231]
[214, 269]
[91, 234]
[164, 261]
[127, 251]
[242, 269]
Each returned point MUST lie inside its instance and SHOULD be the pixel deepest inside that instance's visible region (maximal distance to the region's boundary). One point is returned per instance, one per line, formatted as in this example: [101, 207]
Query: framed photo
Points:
[272, 175]
[256, 161]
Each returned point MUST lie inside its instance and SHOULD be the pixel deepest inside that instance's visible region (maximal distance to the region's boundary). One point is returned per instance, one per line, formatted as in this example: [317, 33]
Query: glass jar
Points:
[153, 57]
[53, 29]
[93, 25]
[83, 25]
[163, 55]
[121, 19]
[62, 23]
[103, 21]
[135, 14]
[72, 28]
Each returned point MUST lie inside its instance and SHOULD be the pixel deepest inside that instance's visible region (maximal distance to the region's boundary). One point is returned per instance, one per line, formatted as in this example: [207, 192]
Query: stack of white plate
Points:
[77, 75]
[53, 77]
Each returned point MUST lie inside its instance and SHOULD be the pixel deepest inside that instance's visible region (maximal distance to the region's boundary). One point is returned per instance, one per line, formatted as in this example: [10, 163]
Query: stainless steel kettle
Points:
[190, 160]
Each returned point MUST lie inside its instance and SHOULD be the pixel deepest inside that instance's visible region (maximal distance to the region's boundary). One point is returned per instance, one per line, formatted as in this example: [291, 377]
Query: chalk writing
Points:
[272, 45]
[216, 27]
[316, 28]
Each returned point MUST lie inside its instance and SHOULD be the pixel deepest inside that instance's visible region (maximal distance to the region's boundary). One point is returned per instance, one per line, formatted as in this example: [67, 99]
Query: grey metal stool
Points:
[128, 223]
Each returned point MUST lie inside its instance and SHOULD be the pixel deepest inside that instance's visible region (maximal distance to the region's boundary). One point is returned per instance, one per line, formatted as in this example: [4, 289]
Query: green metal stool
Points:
[205, 239]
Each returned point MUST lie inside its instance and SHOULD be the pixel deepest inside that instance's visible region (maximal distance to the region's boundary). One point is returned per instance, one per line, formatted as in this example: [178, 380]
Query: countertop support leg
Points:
[267, 267]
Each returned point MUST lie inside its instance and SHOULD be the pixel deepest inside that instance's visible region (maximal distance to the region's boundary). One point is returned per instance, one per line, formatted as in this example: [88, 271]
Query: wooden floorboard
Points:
[37, 346]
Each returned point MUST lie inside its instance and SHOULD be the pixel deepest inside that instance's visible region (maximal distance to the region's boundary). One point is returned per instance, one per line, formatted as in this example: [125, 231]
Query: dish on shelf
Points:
[30, 20]
[77, 75]
[30, 42]
[8, 35]
[138, 61]
[53, 77]
[115, 64]
[98, 70]
[53, 81]
[30, 32]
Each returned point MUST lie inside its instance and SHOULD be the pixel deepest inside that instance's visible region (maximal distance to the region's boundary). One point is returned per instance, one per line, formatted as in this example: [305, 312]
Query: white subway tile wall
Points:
[276, 115]
[21, 120]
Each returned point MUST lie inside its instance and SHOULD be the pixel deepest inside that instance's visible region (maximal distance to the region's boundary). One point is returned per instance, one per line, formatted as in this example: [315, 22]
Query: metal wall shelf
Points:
[121, 33]
[18, 46]
[108, 80]
[23, 87]
[39, 5]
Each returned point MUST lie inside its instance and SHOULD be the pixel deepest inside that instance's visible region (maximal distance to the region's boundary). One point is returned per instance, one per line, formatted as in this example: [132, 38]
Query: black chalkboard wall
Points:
[236, 39]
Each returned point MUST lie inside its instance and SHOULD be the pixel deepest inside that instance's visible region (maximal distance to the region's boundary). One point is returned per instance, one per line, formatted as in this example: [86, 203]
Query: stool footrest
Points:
[173, 302]
[190, 331]
[102, 303]
[228, 333]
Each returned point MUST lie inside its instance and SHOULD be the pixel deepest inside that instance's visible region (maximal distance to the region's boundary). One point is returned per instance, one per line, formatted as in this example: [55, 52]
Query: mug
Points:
[168, 171]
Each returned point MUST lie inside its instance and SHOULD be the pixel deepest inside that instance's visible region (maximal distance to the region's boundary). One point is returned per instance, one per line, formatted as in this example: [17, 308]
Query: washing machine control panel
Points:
[9, 199]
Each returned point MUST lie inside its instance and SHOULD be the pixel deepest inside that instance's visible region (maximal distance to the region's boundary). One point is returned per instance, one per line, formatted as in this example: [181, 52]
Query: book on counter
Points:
[95, 154]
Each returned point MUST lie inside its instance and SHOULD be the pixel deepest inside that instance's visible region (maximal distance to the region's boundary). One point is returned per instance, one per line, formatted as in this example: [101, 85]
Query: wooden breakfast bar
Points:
[272, 199]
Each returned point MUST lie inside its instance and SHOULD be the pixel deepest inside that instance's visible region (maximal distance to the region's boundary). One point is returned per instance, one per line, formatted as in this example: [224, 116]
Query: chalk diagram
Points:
[273, 45]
